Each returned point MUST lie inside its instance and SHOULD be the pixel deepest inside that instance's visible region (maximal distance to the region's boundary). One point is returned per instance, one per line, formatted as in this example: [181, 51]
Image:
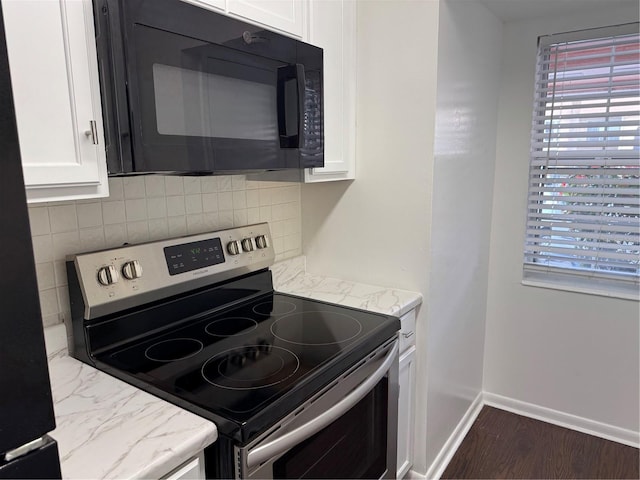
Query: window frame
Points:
[591, 281]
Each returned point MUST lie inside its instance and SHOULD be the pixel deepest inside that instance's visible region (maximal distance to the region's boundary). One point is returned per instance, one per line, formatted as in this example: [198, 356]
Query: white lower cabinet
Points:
[406, 399]
[406, 411]
[190, 470]
[54, 77]
[332, 27]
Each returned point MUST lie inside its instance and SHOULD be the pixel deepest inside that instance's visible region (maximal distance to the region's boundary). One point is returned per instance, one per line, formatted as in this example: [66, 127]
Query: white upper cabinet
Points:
[54, 76]
[209, 4]
[284, 15]
[332, 27]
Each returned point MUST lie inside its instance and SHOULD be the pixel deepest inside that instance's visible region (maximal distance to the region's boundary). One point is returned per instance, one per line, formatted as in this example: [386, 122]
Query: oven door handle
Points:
[274, 448]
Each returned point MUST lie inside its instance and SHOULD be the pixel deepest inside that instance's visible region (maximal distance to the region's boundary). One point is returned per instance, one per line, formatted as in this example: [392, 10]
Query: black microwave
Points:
[186, 90]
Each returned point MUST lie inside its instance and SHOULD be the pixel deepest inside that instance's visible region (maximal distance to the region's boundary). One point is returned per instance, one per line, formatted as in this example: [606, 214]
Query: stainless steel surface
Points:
[281, 444]
[256, 459]
[95, 268]
[24, 449]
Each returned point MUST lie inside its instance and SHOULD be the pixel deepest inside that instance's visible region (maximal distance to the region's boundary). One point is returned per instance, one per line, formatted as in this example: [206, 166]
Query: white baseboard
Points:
[555, 417]
[453, 442]
[413, 475]
[562, 419]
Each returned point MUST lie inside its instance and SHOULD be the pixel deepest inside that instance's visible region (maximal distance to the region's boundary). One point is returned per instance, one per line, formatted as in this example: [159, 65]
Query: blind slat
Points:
[629, 61]
[580, 133]
[571, 97]
[549, 232]
[577, 253]
[620, 267]
[588, 123]
[606, 164]
[631, 154]
[602, 83]
[576, 199]
[613, 144]
[582, 227]
[625, 109]
[630, 224]
[604, 41]
[578, 190]
[609, 250]
[588, 172]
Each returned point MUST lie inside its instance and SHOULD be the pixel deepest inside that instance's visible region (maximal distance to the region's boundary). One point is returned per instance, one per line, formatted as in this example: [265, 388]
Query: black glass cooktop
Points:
[239, 363]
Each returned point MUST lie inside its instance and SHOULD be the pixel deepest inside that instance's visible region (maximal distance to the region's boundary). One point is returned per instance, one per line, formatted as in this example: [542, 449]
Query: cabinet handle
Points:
[92, 132]
[407, 335]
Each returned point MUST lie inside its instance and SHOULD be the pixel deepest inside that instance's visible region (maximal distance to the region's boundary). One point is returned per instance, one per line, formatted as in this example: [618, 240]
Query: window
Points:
[583, 221]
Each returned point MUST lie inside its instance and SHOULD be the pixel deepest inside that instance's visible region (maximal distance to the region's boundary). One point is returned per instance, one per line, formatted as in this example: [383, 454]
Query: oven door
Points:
[207, 93]
[348, 430]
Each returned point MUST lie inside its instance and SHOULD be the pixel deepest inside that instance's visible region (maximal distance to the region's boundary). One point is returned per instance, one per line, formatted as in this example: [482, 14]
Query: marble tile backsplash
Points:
[153, 207]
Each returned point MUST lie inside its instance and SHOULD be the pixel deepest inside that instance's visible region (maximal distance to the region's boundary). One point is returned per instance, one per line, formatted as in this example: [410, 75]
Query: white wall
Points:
[469, 53]
[376, 230]
[570, 352]
[380, 229]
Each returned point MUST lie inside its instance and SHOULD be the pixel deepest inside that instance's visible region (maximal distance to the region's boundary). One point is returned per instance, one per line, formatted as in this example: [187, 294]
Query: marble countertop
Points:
[108, 429]
[290, 276]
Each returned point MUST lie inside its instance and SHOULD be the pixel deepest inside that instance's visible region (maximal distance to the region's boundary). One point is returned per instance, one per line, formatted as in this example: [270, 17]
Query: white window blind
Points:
[584, 175]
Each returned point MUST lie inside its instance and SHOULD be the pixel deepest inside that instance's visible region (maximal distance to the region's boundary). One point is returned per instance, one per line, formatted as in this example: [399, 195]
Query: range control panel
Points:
[120, 278]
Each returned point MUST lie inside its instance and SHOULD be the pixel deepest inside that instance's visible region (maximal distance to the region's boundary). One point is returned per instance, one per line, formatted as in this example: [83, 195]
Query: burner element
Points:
[173, 349]
[316, 328]
[251, 367]
[274, 309]
[231, 326]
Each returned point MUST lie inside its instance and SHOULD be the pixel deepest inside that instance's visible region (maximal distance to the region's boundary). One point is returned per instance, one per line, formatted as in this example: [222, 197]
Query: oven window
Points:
[354, 446]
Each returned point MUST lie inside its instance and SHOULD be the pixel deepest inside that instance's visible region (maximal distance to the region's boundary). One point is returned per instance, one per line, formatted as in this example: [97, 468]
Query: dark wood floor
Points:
[505, 445]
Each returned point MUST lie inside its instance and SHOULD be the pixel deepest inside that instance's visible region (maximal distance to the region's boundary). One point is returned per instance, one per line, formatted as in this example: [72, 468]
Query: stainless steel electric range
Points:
[298, 388]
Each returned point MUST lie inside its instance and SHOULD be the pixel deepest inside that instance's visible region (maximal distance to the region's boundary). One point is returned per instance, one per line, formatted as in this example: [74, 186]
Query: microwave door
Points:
[206, 107]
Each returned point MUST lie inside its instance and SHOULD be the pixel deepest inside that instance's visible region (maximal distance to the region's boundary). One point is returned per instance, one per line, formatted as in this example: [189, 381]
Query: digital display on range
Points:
[192, 256]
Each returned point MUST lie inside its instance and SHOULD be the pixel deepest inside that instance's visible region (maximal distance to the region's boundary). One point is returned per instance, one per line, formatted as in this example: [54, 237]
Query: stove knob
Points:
[108, 275]
[264, 346]
[132, 270]
[247, 245]
[233, 247]
[261, 241]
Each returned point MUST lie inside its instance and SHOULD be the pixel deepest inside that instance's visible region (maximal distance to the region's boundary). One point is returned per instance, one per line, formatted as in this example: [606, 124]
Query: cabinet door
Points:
[333, 28]
[285, 15]
[406, 411]
[52, 58]
[216, 5]
[191, 470]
